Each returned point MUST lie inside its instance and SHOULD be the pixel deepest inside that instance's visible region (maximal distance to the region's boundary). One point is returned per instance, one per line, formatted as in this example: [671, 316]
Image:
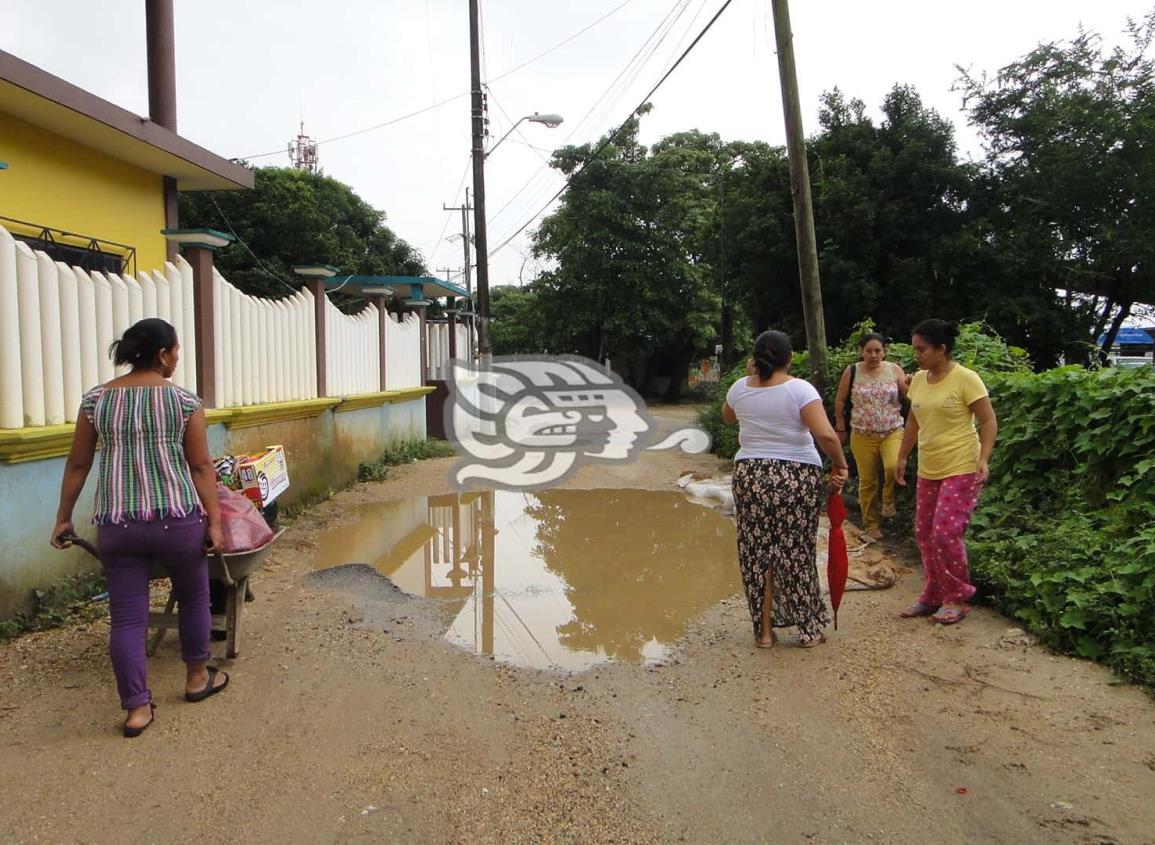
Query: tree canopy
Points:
[297, 217]
[629, 274]
[656, 254]
[1070, 169]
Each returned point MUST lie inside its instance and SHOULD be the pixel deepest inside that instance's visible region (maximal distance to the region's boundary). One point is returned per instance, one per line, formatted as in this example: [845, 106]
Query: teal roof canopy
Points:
[408, 287]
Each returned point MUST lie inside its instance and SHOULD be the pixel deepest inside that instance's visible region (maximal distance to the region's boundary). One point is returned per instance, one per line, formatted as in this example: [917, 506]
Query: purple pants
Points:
[127, 551]
[942, 515]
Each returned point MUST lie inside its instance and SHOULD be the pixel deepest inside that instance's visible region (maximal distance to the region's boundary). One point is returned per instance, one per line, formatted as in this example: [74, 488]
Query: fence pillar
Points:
[198, 246]
[317, 288]
[382, 315]
[452, 332]
[204, 321]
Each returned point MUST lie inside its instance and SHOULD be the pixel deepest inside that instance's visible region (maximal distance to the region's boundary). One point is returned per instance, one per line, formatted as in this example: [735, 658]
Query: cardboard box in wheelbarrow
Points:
[263, 475]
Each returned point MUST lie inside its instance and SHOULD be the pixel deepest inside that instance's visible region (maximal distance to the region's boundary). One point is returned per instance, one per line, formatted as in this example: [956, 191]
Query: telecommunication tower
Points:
[303, 152]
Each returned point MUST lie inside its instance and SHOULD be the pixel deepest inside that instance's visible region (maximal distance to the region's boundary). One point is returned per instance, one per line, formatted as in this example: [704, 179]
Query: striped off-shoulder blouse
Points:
[143, 472]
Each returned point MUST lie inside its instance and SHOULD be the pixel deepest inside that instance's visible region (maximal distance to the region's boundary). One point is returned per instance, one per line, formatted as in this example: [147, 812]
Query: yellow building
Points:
[84, 180]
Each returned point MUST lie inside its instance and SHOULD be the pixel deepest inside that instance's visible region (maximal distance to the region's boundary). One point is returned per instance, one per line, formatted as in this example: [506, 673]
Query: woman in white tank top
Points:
[778, 491]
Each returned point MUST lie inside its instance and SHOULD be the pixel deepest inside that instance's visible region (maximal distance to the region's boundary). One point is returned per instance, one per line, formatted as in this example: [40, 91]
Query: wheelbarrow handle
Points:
[78, 541]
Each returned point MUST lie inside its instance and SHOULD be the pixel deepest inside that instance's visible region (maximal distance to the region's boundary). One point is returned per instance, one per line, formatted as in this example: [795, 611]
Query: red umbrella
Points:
[837, 562]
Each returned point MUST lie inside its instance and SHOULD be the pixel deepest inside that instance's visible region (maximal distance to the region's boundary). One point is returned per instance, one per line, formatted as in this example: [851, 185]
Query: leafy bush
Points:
[1064, 537]
[70, 599]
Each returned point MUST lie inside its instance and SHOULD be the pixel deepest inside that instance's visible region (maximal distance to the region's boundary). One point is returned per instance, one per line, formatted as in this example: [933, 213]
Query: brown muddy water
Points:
[560, 579]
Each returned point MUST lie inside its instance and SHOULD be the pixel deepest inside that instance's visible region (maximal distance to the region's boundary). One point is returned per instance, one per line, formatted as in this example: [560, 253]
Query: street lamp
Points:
[550, 121]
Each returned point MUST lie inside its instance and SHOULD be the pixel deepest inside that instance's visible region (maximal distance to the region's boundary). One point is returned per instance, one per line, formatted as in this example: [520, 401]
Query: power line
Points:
[609, 138]
[455, 97]
[601, 108]
[248, 249]
[609, 98]
[577, 34]
[456, 194]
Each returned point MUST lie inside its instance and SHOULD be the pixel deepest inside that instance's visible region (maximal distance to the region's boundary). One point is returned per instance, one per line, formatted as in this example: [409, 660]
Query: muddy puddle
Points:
[562, 579]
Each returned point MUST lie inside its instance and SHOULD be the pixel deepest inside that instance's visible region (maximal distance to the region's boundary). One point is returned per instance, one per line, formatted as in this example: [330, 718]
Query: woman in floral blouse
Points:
[873, 390]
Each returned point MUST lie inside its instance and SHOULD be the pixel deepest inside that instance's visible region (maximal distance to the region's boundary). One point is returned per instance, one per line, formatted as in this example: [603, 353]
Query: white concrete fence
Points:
[403, 352]
[266, 349]
[353, 362]
[58, 322]
[438, 346]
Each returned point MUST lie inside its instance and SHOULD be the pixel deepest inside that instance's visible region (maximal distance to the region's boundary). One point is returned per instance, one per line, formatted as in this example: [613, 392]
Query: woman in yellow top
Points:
[946, 400]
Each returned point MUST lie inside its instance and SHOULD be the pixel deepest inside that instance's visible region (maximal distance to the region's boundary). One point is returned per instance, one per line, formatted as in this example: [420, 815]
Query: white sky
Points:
[247, 71]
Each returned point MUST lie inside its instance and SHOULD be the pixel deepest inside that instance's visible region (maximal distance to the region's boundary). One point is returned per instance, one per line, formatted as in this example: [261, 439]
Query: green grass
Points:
[403, 453]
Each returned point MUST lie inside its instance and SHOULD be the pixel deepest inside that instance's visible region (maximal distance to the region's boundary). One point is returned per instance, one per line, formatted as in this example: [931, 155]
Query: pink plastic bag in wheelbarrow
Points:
[243, 526]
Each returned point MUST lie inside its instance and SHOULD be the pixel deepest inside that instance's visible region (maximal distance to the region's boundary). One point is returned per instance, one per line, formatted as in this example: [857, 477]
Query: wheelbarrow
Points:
[230, 568]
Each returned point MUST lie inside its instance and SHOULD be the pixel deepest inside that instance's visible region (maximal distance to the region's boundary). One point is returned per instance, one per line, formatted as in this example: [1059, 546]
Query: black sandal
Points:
[135, 732]
[209, 688]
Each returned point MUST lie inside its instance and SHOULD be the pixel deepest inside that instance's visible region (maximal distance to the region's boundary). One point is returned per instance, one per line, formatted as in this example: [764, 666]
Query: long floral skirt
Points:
[777, 505]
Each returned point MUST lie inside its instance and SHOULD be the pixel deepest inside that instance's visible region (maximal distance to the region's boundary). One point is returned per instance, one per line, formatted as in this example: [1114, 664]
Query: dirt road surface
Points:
[343, 726]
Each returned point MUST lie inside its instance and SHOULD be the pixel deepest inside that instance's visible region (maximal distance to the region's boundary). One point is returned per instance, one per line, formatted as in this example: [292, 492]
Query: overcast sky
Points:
[249, 70]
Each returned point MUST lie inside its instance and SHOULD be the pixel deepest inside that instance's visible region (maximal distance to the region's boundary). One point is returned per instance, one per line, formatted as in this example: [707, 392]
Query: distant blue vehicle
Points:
[1129, 336]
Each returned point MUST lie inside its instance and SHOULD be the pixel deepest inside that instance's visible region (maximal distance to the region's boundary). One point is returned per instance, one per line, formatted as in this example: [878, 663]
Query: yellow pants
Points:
[874, 452]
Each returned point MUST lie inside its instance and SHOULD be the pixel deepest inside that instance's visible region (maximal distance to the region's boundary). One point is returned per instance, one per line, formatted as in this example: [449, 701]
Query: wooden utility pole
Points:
[800, 189]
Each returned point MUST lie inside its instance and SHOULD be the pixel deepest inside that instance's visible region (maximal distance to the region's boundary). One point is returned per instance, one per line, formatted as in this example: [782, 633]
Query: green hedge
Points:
[1064, 538]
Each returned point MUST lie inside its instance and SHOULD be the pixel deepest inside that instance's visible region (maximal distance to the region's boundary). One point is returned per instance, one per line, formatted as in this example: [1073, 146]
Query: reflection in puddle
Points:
[559, 579]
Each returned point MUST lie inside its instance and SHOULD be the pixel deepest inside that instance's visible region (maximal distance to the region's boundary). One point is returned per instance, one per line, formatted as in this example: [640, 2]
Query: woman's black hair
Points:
[772, 351]
[142, 342]
[938, 332]
[867, 338]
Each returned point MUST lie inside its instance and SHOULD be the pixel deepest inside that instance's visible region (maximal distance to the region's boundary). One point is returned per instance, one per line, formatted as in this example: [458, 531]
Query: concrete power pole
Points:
[481, 240]
[800, 189]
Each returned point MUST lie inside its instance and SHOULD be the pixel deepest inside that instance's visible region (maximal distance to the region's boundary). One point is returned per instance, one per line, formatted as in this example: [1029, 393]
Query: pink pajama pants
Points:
[943, 513]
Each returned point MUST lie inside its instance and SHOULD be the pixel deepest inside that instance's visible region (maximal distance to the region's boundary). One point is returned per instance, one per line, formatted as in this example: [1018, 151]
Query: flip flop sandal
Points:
[919, 609]
[951, 615]
[130, 733]
[811, 643]
[209, 688]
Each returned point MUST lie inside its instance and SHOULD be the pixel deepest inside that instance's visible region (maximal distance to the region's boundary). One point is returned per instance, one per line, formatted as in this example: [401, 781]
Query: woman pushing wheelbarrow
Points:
[155, 500]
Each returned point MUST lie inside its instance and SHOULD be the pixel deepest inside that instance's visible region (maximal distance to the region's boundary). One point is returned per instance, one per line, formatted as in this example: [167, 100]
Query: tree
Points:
[297, 217]
[629, 277]
[891, 207]
[756, 252]
[516, 326]
[1068, 131]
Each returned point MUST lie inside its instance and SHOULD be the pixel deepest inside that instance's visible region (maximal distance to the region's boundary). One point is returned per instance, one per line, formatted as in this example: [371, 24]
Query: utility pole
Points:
[800, 190]
[465, 209]
[481, 241]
